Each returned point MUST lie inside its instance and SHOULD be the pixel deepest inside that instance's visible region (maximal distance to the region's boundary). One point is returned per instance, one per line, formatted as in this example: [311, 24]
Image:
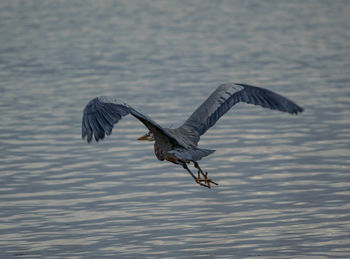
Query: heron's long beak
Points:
[144, 137]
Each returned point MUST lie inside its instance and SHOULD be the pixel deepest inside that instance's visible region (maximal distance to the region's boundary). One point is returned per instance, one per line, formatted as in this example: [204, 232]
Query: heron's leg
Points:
[196, 165]
[198, 180]
[188, 170]
[206, 179]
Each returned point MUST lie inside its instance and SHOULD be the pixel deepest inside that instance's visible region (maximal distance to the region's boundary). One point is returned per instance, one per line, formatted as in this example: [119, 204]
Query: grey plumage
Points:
[227, 95]
[101, 113]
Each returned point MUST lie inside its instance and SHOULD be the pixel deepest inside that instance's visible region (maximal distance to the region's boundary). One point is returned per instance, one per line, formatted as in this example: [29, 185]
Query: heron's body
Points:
[180, 145]
[161, 150]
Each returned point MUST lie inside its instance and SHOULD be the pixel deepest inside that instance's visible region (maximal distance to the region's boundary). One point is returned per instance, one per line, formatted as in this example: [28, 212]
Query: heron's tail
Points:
[193, 154]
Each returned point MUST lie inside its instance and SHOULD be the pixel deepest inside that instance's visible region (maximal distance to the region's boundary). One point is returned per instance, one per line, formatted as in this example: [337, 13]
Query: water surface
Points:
[284, 180]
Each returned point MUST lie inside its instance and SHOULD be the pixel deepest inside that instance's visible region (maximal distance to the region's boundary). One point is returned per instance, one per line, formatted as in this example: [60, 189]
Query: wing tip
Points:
[289, 106]
[296, 110]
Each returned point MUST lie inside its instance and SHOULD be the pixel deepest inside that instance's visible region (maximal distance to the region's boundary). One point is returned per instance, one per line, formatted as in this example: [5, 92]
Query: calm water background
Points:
[284, 180]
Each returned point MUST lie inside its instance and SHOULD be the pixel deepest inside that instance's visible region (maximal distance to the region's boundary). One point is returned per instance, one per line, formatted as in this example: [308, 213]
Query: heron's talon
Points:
[202, 184]
[206, 181]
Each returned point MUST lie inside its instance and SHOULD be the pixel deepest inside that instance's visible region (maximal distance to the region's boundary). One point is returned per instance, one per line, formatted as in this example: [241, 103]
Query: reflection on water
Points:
[284, 182]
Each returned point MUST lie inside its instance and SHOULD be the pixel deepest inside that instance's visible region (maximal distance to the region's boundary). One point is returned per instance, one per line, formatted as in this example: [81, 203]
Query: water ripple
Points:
[283, 180]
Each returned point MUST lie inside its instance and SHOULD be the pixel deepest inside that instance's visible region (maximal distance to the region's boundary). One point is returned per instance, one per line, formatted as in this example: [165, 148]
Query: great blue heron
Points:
[179, 145]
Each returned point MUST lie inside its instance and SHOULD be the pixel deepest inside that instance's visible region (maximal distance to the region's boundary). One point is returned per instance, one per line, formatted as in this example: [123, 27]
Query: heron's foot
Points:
[206, 180]
[199, 181]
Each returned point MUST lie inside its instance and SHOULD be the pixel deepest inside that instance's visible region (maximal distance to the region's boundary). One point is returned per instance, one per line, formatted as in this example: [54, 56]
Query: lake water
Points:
[284, 181]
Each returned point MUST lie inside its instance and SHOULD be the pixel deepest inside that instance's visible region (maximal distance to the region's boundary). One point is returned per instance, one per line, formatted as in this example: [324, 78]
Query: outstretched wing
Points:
[101, 113]
[227, 95]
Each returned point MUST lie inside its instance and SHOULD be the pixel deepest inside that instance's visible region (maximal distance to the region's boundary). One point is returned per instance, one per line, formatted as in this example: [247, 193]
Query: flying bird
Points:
[180, 145]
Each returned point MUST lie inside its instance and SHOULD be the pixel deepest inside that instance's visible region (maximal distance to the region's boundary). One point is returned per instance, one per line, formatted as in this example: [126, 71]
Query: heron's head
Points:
[148, 136]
